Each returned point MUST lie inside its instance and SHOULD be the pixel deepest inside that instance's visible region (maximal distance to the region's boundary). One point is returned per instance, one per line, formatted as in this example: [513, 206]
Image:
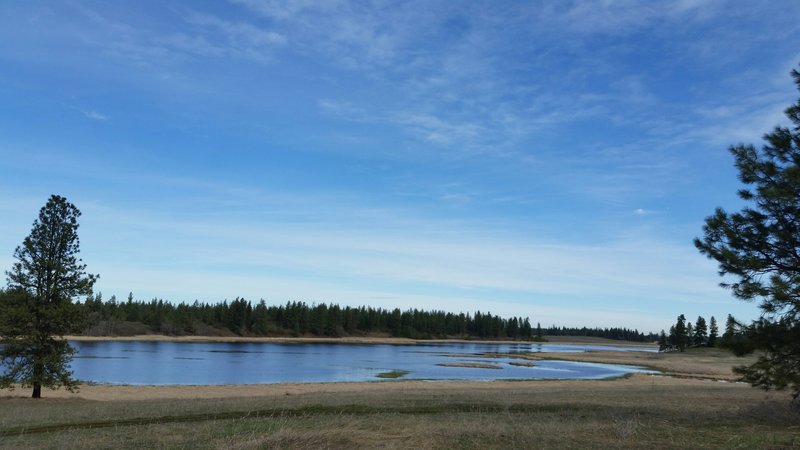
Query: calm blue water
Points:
[181, 363]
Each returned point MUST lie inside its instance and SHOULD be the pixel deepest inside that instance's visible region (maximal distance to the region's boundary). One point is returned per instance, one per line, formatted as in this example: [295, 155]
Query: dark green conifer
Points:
[36, 310]
[759, 247]
[713, 332]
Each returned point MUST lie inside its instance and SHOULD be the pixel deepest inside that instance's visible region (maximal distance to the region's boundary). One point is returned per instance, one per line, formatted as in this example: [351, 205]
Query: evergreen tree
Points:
[730, 331]
[527, 331]
[672, 339]
[37, 310]
[760, 246]
[681, 336]
[700, 332]
[713, 332]
[662, 341]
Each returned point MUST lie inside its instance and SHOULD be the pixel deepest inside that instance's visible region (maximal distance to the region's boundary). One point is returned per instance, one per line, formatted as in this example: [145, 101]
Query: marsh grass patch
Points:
[393, 374]
[471, 365]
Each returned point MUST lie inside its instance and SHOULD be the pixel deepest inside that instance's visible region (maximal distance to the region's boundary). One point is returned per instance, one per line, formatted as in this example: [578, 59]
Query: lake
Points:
[184, 363]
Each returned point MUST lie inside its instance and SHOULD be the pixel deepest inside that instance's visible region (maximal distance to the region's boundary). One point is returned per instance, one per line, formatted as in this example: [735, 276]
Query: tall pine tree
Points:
[37, 308]
[713, 332]
[700, 332]
[760, 248]
[681, 335]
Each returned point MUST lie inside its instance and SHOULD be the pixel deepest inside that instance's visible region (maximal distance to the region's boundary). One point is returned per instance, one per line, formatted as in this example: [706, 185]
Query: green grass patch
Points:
[393, 374]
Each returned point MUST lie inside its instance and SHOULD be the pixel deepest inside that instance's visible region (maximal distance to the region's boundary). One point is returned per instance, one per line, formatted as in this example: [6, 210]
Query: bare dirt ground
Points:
[103, 392]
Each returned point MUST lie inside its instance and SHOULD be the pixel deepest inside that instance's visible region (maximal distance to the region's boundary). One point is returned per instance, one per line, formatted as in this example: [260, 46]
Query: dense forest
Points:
[622, 334]
[243, 318]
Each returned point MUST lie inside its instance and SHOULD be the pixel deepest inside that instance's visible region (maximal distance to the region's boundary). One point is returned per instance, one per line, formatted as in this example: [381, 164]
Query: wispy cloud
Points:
[454, 96]
[438, 131]
[94, 115]
[288, 10]
[600, 16]
[140, 42]
[242, 40]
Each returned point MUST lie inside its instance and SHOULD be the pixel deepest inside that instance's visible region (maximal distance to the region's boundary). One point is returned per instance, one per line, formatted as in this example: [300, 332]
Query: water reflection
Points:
[182, 363]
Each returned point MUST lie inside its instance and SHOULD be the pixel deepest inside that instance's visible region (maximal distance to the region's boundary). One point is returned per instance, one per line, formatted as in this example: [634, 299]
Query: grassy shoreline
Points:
[639, 411]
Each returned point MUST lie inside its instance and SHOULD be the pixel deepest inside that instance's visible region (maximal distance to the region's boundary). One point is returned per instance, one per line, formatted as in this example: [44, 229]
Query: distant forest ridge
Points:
[244, 318]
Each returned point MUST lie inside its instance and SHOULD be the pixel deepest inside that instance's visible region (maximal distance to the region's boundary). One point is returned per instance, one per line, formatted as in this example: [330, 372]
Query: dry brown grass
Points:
[695, 362]
[641, 411]
[636, 412]
[522, 363]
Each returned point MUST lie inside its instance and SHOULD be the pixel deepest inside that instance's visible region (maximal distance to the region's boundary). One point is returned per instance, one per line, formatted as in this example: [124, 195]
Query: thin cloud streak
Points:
[94, 115]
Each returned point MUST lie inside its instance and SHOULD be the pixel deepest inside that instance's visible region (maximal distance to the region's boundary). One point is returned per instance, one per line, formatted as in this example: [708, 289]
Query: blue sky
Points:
[544, 159]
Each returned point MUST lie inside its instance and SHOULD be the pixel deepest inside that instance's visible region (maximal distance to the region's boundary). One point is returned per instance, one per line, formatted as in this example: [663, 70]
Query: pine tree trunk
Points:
[38, 371]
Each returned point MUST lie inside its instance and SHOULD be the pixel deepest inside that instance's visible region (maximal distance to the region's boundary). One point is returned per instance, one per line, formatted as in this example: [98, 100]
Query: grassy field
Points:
[634, 412]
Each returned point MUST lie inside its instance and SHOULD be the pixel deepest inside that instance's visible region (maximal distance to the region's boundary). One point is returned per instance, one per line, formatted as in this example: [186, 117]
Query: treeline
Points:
[244, 318]
[622, 334]
[684, 334]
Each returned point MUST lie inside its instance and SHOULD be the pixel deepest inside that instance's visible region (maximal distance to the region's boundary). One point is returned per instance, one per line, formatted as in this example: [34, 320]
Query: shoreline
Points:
[700, 366]
[366, 340]
[127, 392]
[641, 411]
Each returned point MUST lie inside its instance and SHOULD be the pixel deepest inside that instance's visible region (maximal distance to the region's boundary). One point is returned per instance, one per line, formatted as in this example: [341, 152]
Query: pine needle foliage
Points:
[758, 248]
[36, 309]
